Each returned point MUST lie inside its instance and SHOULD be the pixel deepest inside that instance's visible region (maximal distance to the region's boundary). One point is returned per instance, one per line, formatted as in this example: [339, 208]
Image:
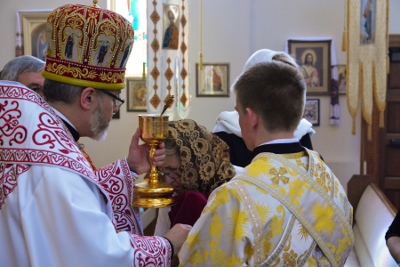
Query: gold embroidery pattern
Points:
[286, 238]
[343, 229]
[289, 258]
[303, 233]
[301, 164]
[254, 219]
[227, 228]
[204, 157]
[279, 175]
[84, 73]
[324, 181]
[111, 77]
[75, 72]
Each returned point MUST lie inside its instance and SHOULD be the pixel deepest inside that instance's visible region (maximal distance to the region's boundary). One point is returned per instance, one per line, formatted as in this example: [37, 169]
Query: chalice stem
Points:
[153, 177]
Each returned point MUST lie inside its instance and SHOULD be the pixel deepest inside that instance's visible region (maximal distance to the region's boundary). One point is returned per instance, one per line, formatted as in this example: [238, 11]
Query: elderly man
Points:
[55, 209]
[26, 70]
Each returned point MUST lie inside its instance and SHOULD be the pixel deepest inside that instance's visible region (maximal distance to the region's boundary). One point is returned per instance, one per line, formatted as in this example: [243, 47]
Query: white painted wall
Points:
[232, 31]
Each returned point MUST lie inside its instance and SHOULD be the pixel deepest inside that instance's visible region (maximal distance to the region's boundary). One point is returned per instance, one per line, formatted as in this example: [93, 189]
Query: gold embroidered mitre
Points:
[87, 46]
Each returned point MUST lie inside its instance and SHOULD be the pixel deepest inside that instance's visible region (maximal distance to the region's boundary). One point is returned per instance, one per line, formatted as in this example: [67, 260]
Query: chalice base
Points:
[153, 195]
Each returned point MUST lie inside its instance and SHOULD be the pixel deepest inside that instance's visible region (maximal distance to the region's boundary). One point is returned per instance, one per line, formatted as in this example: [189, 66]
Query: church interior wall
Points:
[232, 31]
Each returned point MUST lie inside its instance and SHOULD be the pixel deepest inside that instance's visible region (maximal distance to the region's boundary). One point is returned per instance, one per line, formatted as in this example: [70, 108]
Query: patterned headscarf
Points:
[205, 162]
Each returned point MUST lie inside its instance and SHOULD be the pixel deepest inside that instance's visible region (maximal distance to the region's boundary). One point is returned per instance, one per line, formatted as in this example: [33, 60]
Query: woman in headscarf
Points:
[197, 162]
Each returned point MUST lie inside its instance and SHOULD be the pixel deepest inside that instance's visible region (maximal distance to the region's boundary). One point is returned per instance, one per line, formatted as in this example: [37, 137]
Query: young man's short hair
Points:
[274, 90]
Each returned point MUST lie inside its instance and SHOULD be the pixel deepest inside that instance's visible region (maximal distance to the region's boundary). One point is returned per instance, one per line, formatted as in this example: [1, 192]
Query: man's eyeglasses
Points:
[118, 102]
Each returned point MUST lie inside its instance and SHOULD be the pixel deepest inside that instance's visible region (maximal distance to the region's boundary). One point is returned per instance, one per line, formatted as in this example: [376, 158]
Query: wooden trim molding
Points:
[394, 40]
[384, 199]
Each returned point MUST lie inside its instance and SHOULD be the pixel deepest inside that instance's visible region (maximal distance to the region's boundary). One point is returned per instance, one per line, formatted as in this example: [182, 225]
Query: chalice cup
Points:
[153, 193]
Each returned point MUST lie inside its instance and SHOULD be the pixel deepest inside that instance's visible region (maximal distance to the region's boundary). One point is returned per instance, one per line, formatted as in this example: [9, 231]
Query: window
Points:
[135, 12]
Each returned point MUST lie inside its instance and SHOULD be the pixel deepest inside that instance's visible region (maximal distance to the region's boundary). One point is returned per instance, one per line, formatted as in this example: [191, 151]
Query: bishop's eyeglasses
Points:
[118, 102]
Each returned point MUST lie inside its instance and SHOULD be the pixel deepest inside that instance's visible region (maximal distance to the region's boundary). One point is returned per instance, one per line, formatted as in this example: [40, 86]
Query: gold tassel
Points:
[353, 128]
[200, 61]
[344, 35]
[382, 119]
[361, 78]
[375, 90]
[144, 71]
[344, 41]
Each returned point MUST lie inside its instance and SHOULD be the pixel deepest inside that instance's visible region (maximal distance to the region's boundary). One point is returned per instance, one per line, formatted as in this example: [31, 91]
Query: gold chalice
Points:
[152, 193]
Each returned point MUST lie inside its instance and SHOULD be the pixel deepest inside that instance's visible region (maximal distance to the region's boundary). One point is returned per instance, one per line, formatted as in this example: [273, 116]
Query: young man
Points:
[55, 209]
[287, 208]
[227, 125]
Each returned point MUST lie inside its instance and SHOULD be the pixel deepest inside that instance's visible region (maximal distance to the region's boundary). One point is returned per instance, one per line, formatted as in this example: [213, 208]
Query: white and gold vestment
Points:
[283, 210]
